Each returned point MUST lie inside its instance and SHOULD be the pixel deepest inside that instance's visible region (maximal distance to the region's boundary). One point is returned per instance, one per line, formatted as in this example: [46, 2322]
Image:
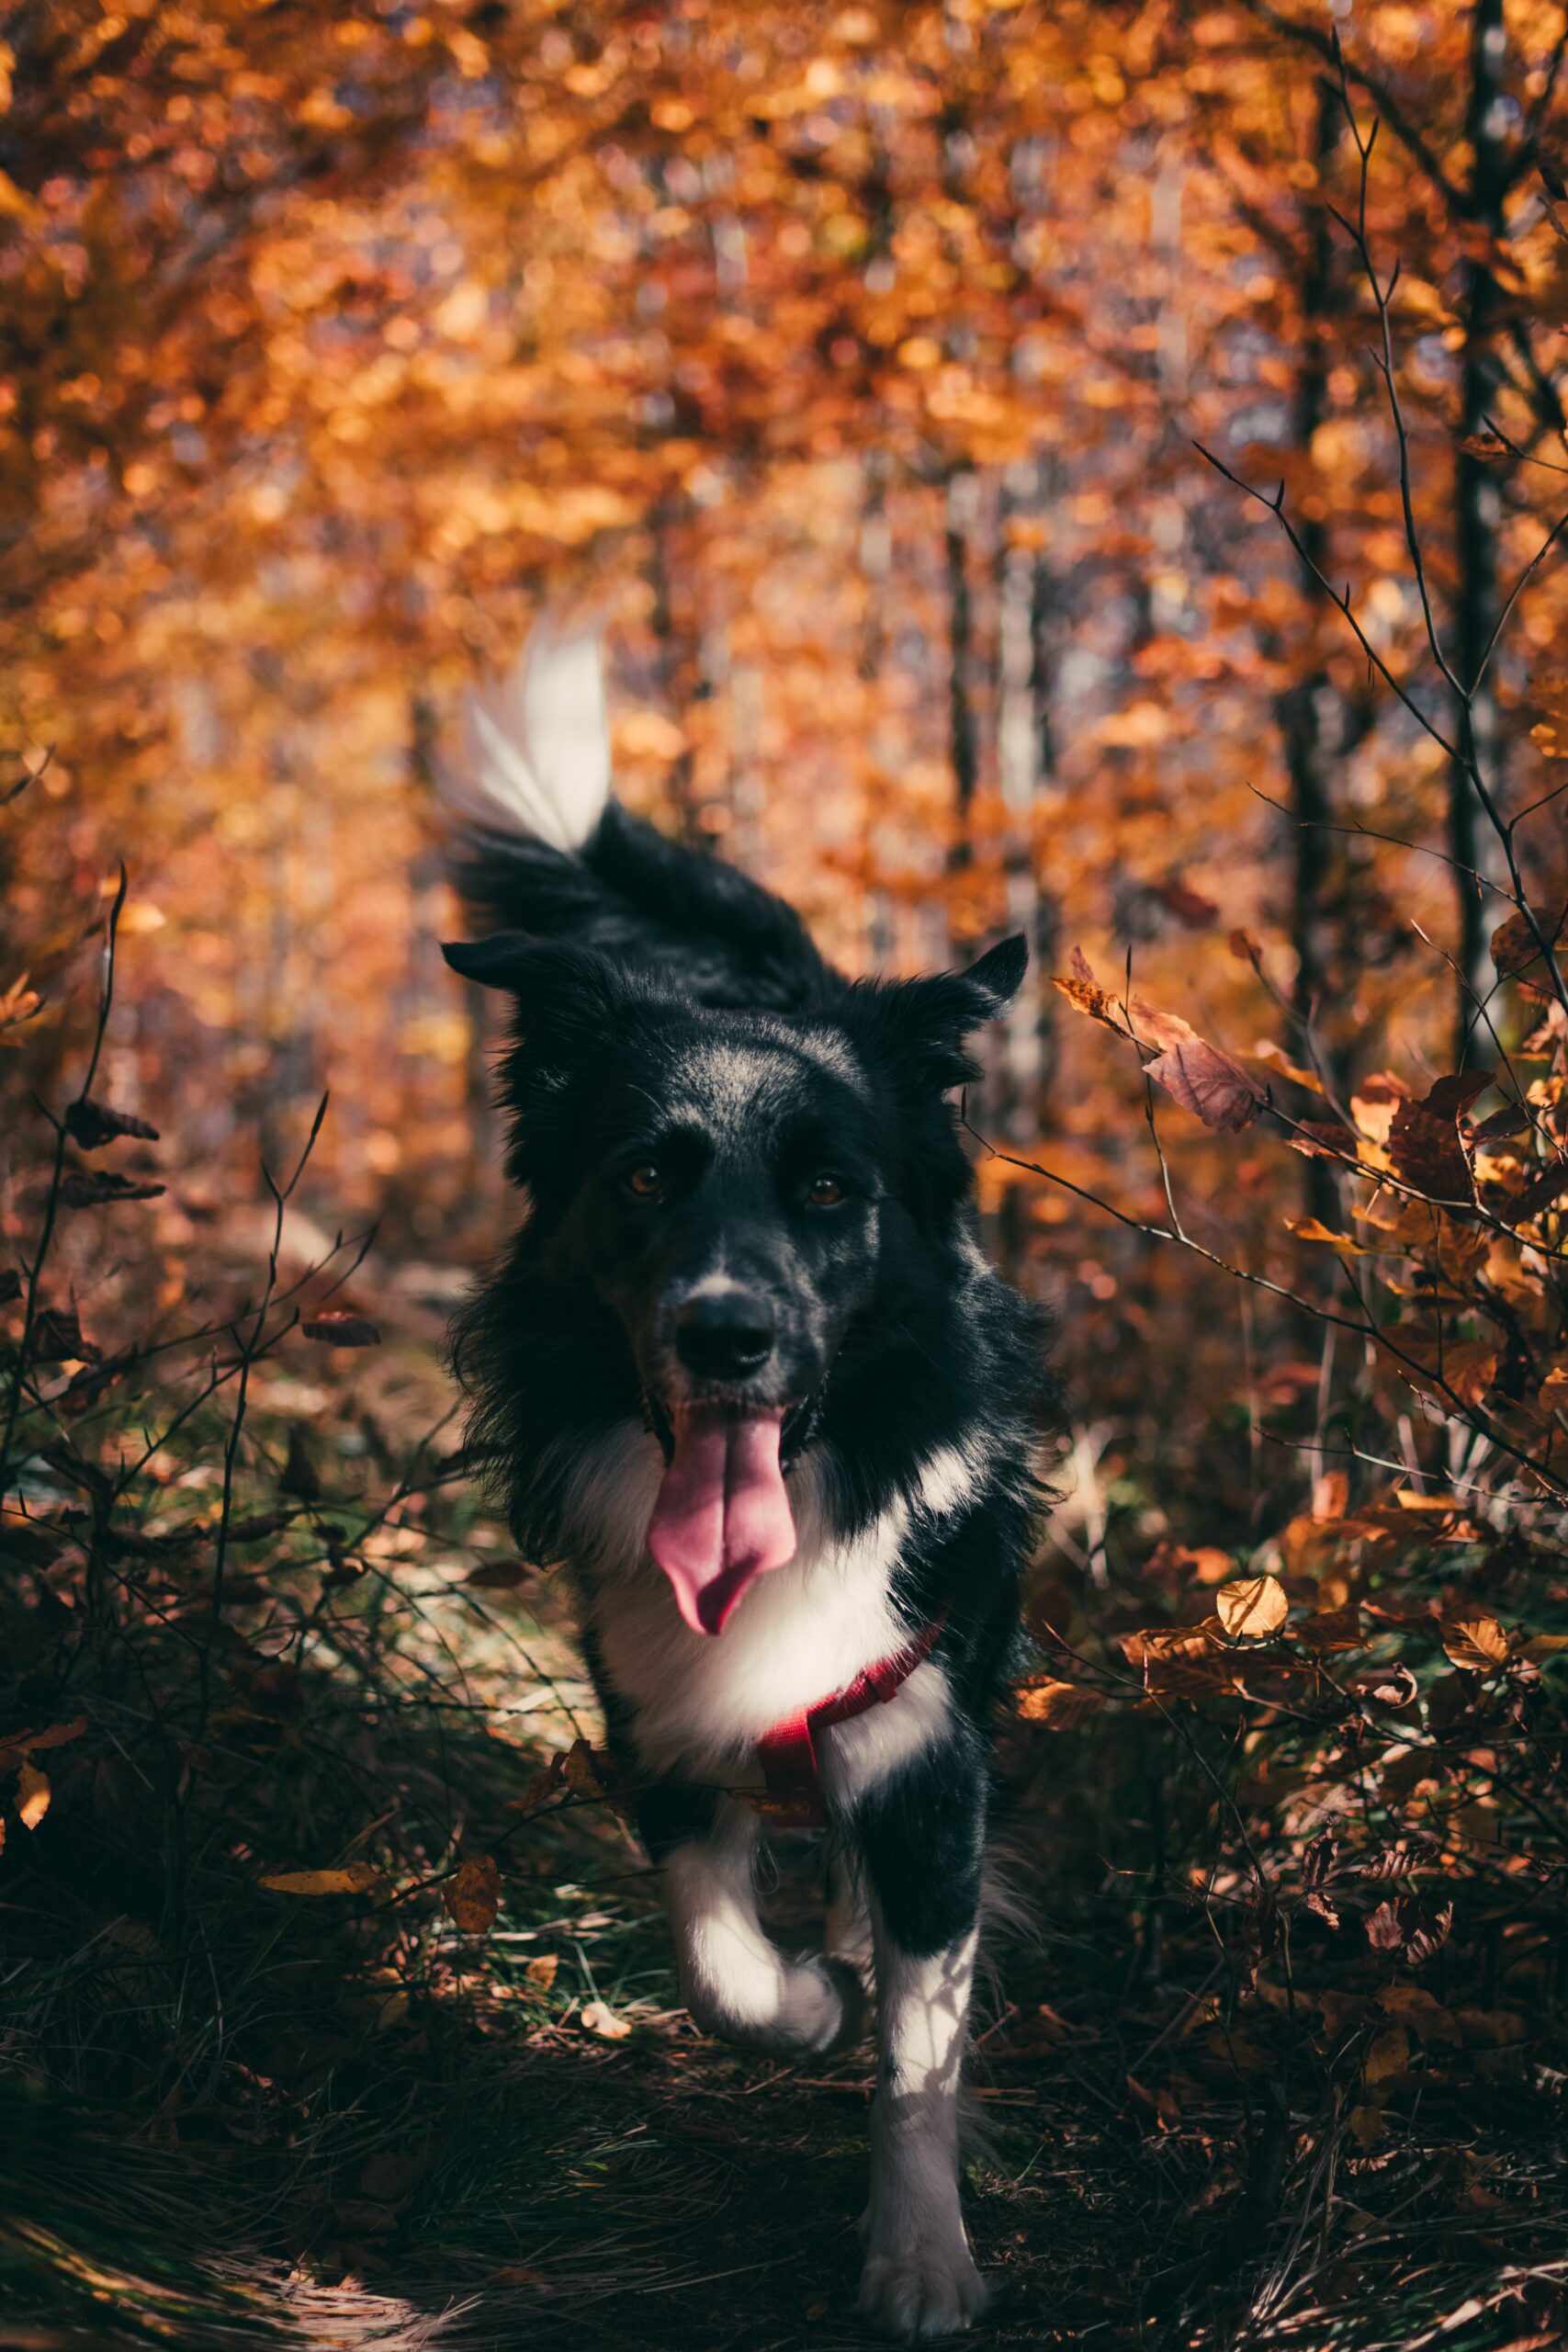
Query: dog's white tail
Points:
[537, 744]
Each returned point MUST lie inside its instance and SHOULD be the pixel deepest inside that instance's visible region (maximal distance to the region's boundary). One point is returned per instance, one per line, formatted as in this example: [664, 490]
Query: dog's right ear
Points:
[563, 995]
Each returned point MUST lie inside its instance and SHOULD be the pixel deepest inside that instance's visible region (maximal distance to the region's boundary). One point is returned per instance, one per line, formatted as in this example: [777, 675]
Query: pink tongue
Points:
[722, 1515]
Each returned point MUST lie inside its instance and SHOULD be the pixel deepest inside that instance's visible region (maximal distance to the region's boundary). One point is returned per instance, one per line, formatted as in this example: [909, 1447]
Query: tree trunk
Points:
[677, 664]
[1024, 750]
[1305, 708]
[963, 736]
[1472, 841]
[876, 566]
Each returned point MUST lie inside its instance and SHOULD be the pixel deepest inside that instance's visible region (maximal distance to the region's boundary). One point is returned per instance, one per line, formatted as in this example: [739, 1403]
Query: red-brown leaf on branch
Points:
[86, 1191]
[1202, 1077]
[1081, 988]
[92, 1124]
[1447, 1097]
[338, 1330]
[58, 1338]
[1514, 944]
[1540, 1194]
[1211, 1083]
[1458, 1370]
[1424, 1139]
[1513, 1119]
[1323, 1139]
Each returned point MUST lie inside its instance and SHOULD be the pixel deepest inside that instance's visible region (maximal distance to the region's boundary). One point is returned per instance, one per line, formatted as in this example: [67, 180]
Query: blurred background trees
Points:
[851, 361]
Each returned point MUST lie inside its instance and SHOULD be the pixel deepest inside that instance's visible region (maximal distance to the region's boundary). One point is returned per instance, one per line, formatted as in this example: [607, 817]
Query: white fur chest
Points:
[699, 1702]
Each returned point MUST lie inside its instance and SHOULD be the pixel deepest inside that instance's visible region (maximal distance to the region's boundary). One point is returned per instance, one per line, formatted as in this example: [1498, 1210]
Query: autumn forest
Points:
[1096, 471]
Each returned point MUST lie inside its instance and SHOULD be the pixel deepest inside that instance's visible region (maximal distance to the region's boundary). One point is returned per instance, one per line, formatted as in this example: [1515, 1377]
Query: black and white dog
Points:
[747, 1372]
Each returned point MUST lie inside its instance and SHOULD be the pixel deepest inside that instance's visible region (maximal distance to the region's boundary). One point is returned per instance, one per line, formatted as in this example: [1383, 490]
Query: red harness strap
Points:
[788, 1754]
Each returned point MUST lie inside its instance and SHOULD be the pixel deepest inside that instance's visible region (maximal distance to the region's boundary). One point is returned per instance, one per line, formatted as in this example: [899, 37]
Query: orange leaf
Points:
[1476, 1641]
[1252, 1606]
[32, 1793]
[1061, 1706]
[352, 1878]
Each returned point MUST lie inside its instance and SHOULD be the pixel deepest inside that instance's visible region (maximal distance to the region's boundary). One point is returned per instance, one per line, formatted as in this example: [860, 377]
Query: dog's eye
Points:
[824, 1192]
[644, 1181]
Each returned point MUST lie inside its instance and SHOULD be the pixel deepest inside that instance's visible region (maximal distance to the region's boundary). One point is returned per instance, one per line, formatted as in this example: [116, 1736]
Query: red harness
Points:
[792, 1793]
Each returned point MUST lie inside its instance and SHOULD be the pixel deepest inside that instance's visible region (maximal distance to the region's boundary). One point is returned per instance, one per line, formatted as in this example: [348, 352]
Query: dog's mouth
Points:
[722, 1516]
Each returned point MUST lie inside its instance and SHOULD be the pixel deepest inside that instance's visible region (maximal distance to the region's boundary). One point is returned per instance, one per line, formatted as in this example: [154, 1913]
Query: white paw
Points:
[811, 2005]
[928, 2290]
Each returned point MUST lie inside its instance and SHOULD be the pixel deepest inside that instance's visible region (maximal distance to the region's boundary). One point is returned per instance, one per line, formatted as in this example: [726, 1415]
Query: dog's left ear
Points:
[926, 1023]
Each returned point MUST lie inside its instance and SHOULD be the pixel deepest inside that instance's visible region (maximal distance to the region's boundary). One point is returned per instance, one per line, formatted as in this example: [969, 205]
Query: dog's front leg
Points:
[921, 1837]
[734, 1979]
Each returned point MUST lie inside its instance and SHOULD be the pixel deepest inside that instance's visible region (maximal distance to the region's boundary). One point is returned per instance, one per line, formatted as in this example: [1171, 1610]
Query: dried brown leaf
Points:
[97, 1184]
[337, 1329]
[1474, 1640]
[473, 1894]
[1213, 1084]
[1412, 2005]
[1061, 1706]
[1514, 943]
[1252, 1607]
[350, 1877]
[32, 1793]
[92, 1124]
[1427, 1152]
[1384, 1931]
[1389, 2057]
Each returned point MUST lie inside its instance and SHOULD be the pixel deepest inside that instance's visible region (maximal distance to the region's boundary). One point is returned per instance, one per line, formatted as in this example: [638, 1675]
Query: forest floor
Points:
[235, 2115]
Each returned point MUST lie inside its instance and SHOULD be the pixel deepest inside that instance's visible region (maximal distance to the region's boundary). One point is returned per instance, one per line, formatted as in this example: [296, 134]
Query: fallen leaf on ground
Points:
[351, 1878]
[32, 1793]
[599, 2017]
[473, 1895]
[1389, 2055]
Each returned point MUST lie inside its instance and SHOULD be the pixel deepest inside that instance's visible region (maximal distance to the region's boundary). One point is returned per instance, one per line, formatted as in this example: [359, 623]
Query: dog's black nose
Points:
[724, 1337]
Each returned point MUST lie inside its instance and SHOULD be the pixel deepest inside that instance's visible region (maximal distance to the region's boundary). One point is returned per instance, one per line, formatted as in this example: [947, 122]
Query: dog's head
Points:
[731, 1185]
